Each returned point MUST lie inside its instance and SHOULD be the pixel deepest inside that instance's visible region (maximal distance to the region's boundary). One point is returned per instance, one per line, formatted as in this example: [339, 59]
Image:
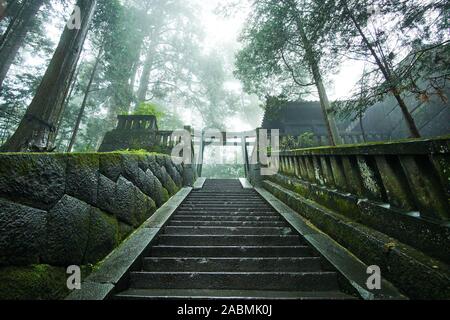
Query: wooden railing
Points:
[413, 176]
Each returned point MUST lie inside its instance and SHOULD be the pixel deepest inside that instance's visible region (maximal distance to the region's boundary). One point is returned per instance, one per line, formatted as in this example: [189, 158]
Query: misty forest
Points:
[62, 87]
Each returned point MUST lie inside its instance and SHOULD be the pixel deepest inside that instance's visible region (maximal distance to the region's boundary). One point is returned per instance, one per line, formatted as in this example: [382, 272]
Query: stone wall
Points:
[58, 210]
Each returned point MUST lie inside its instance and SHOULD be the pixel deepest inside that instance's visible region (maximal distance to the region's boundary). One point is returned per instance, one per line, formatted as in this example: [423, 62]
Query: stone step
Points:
[299, 281]
[228, 230]
[226, 241]
[225, 195]
[199, 217]
[226, 204]
[206, 294]
[237, 202]
[232, 264]
[215, 240]
[202, 197]
[231, 251]
[237, 207]
[226, 213]
[205, 193]
[177, 223]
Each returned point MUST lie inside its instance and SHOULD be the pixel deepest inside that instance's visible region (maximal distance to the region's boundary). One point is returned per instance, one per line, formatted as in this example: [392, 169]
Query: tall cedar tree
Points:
[12, 40]
[42, 115]
[394, 39]
[280, 47]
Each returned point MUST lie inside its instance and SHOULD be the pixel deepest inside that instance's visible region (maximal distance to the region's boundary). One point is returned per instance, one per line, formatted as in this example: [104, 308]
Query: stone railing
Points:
[166, 140]
[387, 203]
[130, 122]
[323, 140]
[413, 176]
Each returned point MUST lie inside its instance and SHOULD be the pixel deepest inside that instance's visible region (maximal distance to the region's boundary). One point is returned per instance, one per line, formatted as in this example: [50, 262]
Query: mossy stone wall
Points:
[58, 210]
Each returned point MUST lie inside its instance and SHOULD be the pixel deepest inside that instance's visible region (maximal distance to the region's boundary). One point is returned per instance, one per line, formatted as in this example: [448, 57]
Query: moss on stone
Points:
[403, 146]
[166, 195]
[104, 236]
[377, 143]
[418, 275]
[124, 231]
[85, 159]
[37, 282]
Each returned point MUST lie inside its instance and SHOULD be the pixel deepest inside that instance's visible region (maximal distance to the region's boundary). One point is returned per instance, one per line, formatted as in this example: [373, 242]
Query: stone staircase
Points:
[228, 242]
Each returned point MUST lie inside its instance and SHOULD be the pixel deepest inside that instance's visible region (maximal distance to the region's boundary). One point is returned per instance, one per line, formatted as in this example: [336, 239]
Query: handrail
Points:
[412, 175]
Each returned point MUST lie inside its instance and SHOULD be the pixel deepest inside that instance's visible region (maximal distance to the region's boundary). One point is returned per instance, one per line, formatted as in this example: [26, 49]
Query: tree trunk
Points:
[14, 36]
[3, 6]
[133, 76]
[73, 80]
[145, 78]
[387, 73]
[42, 114]
[361, 125]
[85, 100]
[12, 11]
[330, 122]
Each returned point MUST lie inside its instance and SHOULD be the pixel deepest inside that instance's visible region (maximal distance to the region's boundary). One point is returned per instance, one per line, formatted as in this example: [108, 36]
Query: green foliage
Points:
[38, 282]
[149, 109]
[404, 45]
[137, 151]
[274, 59]
[305, 140]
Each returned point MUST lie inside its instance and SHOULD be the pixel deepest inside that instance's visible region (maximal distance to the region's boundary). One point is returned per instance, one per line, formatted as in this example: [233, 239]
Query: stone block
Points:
[38, 180]
[107, 195]
[103, 236]
[157, 191]
[111, 165]
[67, 232]
[125, 202]
[22, 233]
[82, 177]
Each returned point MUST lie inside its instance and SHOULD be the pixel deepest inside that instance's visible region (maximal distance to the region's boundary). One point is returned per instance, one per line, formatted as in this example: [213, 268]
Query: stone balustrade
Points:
[137, 122]
[413, 176]
[387, 203]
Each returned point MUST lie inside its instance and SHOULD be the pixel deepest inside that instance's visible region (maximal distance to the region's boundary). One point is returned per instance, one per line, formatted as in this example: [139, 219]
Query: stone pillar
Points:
[327, 172]
[302, 168]
[395, 182]
[318, 176]
[352, 176]
[371, 178]
[338, 173]
[425, 184]
[309, 169]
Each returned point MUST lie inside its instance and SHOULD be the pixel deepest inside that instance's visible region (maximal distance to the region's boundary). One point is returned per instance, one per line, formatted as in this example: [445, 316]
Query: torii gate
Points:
[209, 137]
